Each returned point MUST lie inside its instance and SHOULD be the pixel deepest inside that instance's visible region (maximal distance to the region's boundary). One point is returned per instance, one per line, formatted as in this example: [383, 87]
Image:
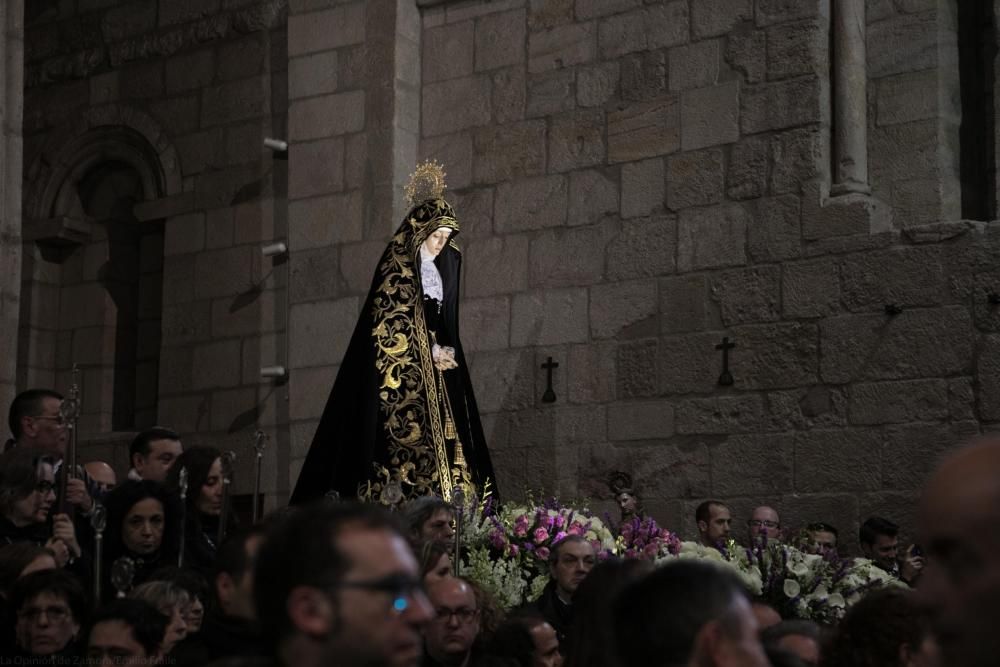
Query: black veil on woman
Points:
[401, 421]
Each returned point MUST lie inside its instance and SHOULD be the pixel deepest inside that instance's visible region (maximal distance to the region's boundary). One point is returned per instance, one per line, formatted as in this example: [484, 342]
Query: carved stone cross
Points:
[549, 396]
[725, 378]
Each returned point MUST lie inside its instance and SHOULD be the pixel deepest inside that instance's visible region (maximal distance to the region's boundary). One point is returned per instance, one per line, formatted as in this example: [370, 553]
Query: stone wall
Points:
[181, 93]
[637, 180]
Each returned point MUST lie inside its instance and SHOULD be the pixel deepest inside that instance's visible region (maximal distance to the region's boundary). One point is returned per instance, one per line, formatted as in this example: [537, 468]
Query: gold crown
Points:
[426, 182]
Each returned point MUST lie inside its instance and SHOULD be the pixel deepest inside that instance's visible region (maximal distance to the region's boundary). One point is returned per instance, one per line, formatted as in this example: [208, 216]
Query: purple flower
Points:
[542, 552]
[541, 535]
[560, 536]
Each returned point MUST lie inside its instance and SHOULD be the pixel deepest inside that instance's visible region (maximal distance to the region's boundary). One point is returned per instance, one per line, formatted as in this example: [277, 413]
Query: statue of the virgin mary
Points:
[401, 421]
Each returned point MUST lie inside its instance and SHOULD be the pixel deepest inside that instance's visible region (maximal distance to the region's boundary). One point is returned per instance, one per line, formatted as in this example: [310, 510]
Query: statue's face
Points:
[436, 241]
[627, 502]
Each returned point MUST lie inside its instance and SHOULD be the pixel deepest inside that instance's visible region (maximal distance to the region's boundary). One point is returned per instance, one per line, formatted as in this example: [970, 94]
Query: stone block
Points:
[617, 308]
[189, 71]
[568, 257]
[486, 323]
[544, 14]
[326, 115]
[244, 143]
[592, 197]
[219, 228]
[200, 151]
[510, 95]
[455, 152]
[463, 11]
[695, 65]
[550, 93]
[908, 97]
[644, 75]
[184, 11]
[748, 168]
[903, 152]
[504, 380]
[687, 363]
[775, 230]
[531, 203]
[683, 302]
[710, 116]
[508, 152]
[988, 377]
[775, 356]
[961, 399]
[639, 369]
[127, 21]
[797, 157]
[769, 12]
[719, 415]
[184, 234]
[549, 317]
[247, 315]
[448, 51]
[225, 272]
[321, 222]
[314, 275]
[898, 402]
[591, 373]
[579, 425]
[576, 140]
[178, 279]
[695, 178]
[810, 289]
[308, 391]
[652, 27]
[840, 460]
[216, 364]
[238, 100]
[331, 322]
[805, 408]
[501, 265]
[597, 84]
[141, 81]
[562, 46]
[642, 191]
[241, 58]
[325, 30]
[315, 74]
[500, 40]
[186, 414]
[104, 88]
[672, 471]
[357, 264]
[907, 43]
[753, 465]
[902, 276]
[713, 18]
[593, 9]
[643, 248]
[711, 237]
[746, 54]
[644, 129]
[779, 105]
[845, 215]
[911, 452]
[317, 168]
[230, 408]
[645, 420]
[932, 342]
[474, 209]
[748, 295]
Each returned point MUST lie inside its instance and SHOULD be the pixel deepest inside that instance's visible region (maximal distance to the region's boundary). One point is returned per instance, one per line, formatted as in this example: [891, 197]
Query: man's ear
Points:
[702, 526]
[224, 587]
[133, 459]
[706, 643]
[311, 611]
[28, 426]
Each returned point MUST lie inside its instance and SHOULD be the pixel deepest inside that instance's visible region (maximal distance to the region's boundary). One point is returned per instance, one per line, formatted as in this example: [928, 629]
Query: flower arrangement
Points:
[641, 538]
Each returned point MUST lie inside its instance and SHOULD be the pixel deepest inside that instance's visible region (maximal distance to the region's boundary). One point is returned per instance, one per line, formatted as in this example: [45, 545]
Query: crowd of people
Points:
[151, 570]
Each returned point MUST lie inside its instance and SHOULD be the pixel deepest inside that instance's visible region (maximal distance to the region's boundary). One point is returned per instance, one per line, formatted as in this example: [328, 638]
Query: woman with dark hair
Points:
[27, 494]
[144, 526]
[50, 607]
[203, 506]
[887, 628]
[435, 560]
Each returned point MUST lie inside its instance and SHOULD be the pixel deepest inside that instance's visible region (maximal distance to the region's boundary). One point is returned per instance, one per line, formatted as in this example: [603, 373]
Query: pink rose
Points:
[575, 529]
[541, 535]
[520, 530]
[513, 550]
[543, 552]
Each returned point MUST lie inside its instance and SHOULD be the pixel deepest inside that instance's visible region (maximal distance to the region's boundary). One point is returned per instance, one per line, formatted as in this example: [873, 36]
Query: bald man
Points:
[764, 524]
[959, 515]
[102, 475]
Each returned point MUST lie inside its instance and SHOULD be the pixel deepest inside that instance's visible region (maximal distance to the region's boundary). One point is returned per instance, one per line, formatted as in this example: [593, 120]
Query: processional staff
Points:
[182, 483]
[98, 521]
[259, 441]
[69, 412]
[227, 460]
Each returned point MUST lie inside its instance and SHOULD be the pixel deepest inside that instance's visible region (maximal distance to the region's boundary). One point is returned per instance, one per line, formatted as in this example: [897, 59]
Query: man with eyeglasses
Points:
[451, 635]
[337, 584]
[764, 525]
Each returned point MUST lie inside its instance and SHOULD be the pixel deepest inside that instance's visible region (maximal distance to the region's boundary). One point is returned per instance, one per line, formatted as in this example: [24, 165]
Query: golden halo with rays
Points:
[426, 182]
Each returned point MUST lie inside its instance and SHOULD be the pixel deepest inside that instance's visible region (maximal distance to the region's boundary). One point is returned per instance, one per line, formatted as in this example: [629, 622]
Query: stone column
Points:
[850, 103]
[11, 106]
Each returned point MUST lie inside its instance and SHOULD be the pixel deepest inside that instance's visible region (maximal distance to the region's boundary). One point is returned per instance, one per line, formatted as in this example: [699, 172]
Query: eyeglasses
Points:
[58, 419]
[402, 589]
[762, 523]
[53, 613]
[45, 488]
[462, 614]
